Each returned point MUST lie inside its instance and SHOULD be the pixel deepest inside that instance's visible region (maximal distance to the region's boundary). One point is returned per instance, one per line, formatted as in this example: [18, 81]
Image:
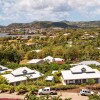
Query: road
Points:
[74, 96]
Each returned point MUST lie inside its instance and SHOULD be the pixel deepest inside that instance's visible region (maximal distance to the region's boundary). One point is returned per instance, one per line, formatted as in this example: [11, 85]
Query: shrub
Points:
[91, 81]
[64, 87]
[4, 88]
[22, 89]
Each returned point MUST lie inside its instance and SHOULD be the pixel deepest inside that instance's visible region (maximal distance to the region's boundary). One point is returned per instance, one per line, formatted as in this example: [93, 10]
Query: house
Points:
[54, 71]
[4, 69]
[80, 74]
[36, 61]
[37, 51]
[59, 60]
[21, 75]
[89, 63]
[49, 59]
[49, 78]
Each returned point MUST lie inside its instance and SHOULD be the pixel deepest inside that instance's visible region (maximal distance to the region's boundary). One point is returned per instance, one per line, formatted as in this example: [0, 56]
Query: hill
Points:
[50, 24]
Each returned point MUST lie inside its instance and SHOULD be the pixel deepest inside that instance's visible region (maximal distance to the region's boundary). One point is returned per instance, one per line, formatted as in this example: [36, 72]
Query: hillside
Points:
[49, 24]
[41, 24]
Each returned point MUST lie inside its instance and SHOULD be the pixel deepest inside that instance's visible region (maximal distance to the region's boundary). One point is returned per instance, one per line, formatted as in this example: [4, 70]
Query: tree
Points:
[3, 80]
[31, 55]
[94, 97]
[91, 81]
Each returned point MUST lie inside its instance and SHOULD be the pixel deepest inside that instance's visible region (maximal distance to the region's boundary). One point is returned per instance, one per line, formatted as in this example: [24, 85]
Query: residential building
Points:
[50, 78]
[4, 69]
[80, 74]
[89, 63]
[49, 59]
[21, 75]
[36, 61]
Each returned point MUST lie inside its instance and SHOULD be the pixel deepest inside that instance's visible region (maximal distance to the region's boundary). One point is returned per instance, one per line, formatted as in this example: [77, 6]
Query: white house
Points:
[4, 69]
[49, 59]
[80, 74]
[50, 78]
[59, 60]
[89, 63]
[21, 75]
[37, 50]
[36, 61]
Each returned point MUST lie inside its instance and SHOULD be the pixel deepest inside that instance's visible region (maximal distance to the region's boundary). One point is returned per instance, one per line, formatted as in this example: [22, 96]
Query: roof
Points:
[54, 71]
[49, 78]
[17, 75]
[58, 59]
[11, 78]
[21, 70]
[3, 68]
[34, 61]
[49, 58]
[78, 69]
[89, 62]
[67, 73]
[36, 50]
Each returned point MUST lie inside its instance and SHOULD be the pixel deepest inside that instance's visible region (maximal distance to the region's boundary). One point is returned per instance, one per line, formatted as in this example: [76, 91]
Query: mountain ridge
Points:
[49, 24]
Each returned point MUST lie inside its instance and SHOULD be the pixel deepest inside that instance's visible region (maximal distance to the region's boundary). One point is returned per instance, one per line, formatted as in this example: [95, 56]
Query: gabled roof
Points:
[49, 78]
[68, 75]
[79, 68]
[58, 59]
[89, 62]
[22, 71]
[18, 75]
[3, 68]
[34, 61]
[36, 50]
[49, 58]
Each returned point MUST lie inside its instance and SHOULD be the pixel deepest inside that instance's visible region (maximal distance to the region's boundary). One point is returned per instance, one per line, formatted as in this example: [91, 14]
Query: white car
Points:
[86, 92]
[46, 90]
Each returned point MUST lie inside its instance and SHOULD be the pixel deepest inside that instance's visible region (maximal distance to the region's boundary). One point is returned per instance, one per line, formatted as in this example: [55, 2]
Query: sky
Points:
[24, 11]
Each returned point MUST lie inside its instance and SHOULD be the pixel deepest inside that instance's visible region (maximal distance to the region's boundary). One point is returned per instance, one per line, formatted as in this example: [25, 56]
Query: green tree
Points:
[94, 97]
[91, 81]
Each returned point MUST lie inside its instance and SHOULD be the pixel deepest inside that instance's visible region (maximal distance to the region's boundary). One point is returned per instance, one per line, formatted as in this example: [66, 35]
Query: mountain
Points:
[41, 24]
[60, 24]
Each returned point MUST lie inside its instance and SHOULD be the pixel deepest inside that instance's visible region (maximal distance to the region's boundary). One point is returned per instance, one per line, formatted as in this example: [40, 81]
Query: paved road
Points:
[74, 96]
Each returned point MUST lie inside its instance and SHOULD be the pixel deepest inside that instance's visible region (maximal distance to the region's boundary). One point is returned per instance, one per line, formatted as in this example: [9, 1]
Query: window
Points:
[70, 81]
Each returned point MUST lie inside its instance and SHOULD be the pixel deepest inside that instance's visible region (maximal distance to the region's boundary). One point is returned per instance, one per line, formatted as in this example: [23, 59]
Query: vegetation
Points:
[94, 97]
[73, 45]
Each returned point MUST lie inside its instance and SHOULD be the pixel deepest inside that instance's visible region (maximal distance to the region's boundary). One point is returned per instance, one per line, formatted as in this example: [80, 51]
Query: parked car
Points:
[86, 92]
[47, 90]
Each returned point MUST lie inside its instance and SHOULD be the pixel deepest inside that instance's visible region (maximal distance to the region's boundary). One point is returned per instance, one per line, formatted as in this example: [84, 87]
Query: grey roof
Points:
[89, 62]
[22, 71]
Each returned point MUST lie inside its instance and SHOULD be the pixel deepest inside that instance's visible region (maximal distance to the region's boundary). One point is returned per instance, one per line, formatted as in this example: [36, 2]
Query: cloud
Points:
[29, 10]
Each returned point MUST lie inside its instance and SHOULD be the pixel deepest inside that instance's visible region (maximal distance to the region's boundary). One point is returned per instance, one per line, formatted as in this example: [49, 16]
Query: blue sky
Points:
[22, 11]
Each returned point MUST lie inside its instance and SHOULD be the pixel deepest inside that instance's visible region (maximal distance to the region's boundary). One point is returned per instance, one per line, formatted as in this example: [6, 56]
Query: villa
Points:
[49, 79]
[51, 59]
[4, 69]
[80, 74]
[89, 63]
[36, 61]
[21, 75]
